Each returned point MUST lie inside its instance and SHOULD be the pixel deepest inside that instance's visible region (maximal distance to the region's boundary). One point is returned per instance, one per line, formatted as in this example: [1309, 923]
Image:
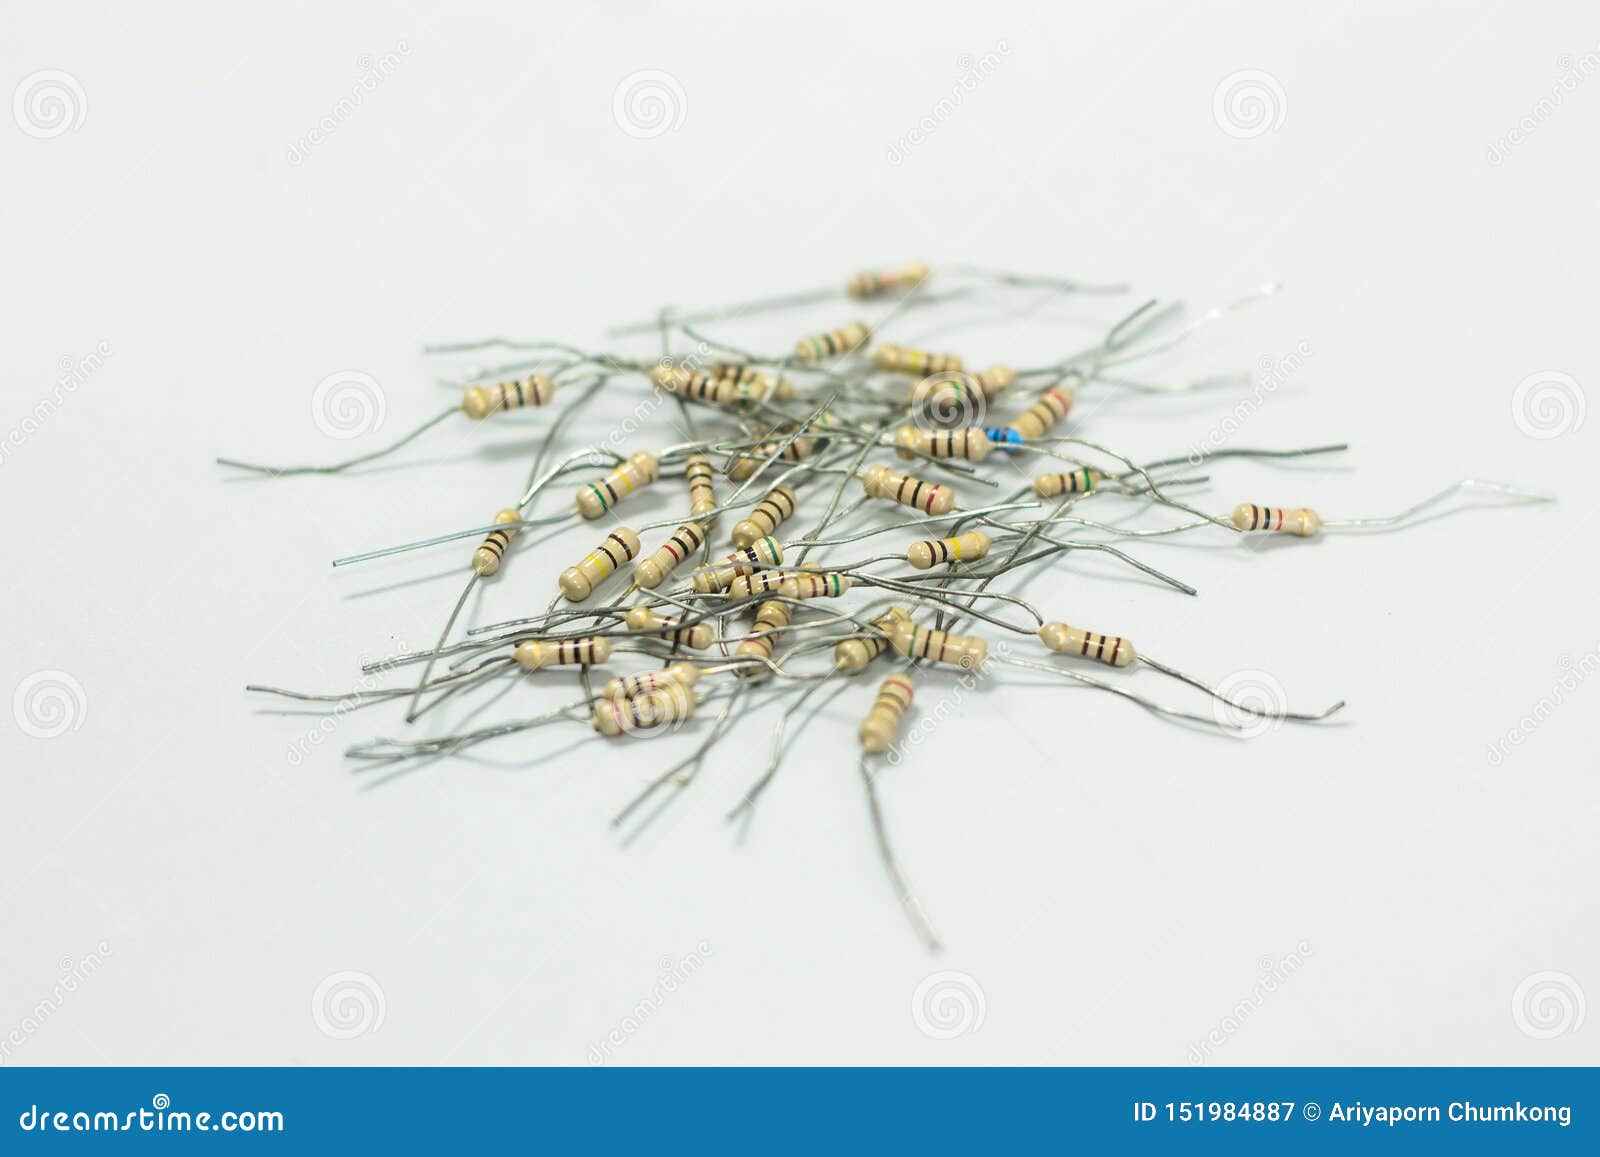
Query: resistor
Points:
[1002, 436]
[691, 384]
[486, 559]
[1080, 481]
[771, 617]
[854, 653]
[968, 442]
[1108, 649]
[627, 686]
[762, 582]
[995, 380]
[768, 515]
[886, 281]
[879, 727]
[744, 465]
[708, 580]
[687, 539]
[639, 470]
[833, 343]
[829, 585]
[532, 654]
[750, 385]
[478, 402]
[668, 704]
[702, 499]
[929, 497]
[578, 582]
[698, 637]
[1299, 521]
[914, 642]
[895, 359]
[936, 551]
[1051, 407]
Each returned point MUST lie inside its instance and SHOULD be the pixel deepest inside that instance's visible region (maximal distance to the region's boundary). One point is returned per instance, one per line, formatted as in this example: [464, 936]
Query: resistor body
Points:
[478, 402]
[645, 711]
[929, 497]
[1051, 407]
[833, 343]
[768, 515]
[687, 539]
[885, 281]
[1080, 481]
[532, 654]
[854, 653]
[1299, 520]
[640, 469]
[702, 499]
[751, 385]
[771, 617]
[969, 442]
[709, 580]
[692, 384]
[578, 582]
[486, 559]
[698, 637]
[937, 551]
[883, 721]
[1002, 436]
[1108, 649]
[627, 686]
[827, 585]
[762, 582]
[914, 642]
[895, 359]
[995, 380]
[744, 465]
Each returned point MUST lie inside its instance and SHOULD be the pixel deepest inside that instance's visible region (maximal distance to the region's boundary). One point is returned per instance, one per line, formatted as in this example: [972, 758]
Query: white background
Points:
[1109, 882]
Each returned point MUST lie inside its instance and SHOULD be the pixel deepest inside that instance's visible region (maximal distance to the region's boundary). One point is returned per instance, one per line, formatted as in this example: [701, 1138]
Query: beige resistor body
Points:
[766, 517]
[486, 559]
[642, 712]
[969, 442]
[928, 497]
[828, 585]
[995, 380]
[620, 546]
[761, 582]
[532, 654]
[750, 385]
[692, 384]
[884, 281]
[936, 551]
[833, 343]
[708, 580]
[893, 359]
[1108, 649]
[627, 686]
[914, 642]
[702, 499]
[883, 721]
[687, 539]
[1051, 407]
[854, 653]
[1298, 520]
[698, 637]
[744, 465]
[771, 617]
[1080, 481]
[595, 498]
[478, 402]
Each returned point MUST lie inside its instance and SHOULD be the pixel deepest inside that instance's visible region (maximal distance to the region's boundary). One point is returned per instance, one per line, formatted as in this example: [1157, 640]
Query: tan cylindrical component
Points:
[750, 385]
[744, 465]
[937, 551]
[702, 499]
[486, 559]
[691, 384]
[762, 582]
[914, 642]
[884, 281]
[708, 580]
[995, 380]
[478, 402]
[578, 582]
[893, 359]
[698, 637]
[644, 711]
[766, 517]
[1080, 481]
[828, 585]
[833, 343]
[639, 470]
[1299, 520]
[687, 539]
[532, 654]
[1108, 649]
[879, 727]
[627, 686]
[1051, 407]
[928, 497]
[854, 653]
[970, 443]
[771, 617]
